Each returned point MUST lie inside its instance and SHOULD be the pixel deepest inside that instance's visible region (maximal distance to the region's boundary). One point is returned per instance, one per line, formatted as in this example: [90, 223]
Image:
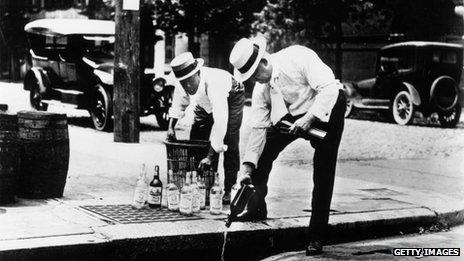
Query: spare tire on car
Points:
[444, 96]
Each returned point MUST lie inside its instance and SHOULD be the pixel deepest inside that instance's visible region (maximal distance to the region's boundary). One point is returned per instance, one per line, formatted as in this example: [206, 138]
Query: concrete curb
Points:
[244, 240]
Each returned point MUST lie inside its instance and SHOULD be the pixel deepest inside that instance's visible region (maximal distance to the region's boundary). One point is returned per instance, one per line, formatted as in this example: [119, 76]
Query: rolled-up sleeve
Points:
[218, 96]
[180, 101]
[259, 122]
[321, 78]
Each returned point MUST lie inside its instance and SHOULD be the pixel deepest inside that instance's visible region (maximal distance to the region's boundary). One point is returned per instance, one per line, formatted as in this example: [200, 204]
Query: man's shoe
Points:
[314, 248]
[226, 198]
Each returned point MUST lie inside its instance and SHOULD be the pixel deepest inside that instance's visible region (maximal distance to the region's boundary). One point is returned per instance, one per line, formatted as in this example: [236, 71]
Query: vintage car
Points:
[412, 77]
[72, 63]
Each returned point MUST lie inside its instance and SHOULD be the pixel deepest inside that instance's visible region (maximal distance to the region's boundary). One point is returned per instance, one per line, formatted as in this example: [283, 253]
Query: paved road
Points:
[381, 249]
[385, 151]
[387, 147]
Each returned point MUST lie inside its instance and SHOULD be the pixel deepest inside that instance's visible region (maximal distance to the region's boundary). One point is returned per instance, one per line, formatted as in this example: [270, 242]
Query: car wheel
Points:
[35, 97]
[101, 109]
[349, 108]
[402, 108]
[451, 118]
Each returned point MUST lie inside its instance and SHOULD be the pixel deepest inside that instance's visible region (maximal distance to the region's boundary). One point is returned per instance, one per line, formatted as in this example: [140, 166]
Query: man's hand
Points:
[171, 134]
[303, 124]
[205, 162]
[245, 175]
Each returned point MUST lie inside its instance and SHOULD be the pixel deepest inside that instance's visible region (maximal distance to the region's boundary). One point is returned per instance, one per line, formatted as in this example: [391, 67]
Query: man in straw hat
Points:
[295, 89]
[218, 112]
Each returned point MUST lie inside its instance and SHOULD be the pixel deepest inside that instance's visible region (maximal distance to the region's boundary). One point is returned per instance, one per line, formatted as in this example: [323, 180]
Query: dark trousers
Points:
[201, 130]
[324, 164]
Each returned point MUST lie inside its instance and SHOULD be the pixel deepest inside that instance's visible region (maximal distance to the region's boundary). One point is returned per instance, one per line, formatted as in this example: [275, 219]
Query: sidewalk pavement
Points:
[102, 172]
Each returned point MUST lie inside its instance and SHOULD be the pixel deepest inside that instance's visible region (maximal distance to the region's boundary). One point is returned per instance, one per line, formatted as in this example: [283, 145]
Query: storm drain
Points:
[125, 214]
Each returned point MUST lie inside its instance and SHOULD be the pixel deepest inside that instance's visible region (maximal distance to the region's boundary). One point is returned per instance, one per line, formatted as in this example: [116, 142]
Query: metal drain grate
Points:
[125, 214]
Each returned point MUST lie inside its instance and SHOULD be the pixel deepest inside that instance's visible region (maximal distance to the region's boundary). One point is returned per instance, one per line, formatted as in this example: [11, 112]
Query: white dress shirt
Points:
[300, 83]
[212, 94]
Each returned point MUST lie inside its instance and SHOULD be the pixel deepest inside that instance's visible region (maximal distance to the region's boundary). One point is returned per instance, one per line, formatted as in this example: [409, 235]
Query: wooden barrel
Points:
[9, 157]
[44, 154]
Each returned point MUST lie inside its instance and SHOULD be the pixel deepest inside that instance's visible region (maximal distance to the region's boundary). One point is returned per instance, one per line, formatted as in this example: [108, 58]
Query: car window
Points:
[47, 45]
[397, 61]
[100, 46]
[448, 57]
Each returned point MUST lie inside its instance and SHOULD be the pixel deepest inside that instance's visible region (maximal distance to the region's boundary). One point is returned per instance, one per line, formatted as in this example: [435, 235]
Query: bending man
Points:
[218, 112]
[294, 86]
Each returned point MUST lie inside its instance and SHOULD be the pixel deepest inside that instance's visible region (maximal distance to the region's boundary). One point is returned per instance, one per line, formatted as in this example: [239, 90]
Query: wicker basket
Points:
[182, 154]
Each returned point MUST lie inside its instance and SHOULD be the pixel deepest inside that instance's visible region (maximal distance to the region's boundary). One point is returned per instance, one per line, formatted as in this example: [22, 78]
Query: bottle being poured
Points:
[243, 202]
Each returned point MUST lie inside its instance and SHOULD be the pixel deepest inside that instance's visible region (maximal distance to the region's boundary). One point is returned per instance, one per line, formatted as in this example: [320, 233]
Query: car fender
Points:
[416, 100]
[349, 89]
[40, 75]
[104, 77]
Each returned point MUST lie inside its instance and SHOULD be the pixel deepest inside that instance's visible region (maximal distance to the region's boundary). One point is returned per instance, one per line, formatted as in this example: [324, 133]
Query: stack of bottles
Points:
[187, 200]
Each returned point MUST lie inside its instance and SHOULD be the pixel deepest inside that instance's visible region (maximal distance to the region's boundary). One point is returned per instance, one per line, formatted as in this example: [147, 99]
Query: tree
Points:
[223, 21]
[318, 22]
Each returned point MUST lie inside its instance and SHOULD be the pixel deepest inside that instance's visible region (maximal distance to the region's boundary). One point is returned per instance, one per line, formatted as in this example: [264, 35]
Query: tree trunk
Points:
[127, 75]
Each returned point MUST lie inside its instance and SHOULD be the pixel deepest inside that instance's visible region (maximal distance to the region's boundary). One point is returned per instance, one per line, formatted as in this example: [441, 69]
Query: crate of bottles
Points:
[183, 156]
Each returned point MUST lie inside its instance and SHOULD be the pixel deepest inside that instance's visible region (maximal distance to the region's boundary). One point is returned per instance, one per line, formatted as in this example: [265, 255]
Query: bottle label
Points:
[154, 195]
[186, 203]
[173, 199]
[140, 195]
[215, 202]
[202, 195]
[196, 202]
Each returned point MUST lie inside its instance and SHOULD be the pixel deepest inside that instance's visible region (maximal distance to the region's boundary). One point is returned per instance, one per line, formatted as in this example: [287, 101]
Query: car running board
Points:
[380, 104]
[69, 96]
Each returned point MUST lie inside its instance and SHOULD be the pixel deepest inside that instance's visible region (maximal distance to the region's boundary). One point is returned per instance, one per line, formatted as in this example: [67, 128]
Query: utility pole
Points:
[126, 91]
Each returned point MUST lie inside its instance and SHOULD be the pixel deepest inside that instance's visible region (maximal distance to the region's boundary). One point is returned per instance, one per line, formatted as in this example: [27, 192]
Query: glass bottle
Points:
[201, 192]
[141, 189]
[215, 197]
[186, 197]
[155, 192]
[172, 193]
[195, 192]
[234, 190]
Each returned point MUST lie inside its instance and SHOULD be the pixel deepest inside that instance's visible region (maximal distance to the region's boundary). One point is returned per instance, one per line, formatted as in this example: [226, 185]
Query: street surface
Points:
[373, 142]
[381, 249]
[372, 150]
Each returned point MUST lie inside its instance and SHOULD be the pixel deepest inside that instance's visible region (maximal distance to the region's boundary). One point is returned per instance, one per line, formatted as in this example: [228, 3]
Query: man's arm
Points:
[259, 121]
[320, 77]
[171, 133]
[180, 101]
[218, 93]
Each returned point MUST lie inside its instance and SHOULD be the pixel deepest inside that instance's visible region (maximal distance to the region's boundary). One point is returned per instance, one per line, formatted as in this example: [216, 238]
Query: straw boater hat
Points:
[245, 57]
[184, 65]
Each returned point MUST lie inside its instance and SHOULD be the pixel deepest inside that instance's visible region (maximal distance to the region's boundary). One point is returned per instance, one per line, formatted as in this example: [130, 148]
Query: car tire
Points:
[101, 109]
[402, 108]
[35, 97]
[451, 118]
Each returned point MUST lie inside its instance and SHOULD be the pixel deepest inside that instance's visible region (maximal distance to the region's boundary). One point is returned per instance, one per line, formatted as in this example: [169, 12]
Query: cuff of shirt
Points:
[176, 114]
[218, 146]
[251, 157]
[320, 113]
